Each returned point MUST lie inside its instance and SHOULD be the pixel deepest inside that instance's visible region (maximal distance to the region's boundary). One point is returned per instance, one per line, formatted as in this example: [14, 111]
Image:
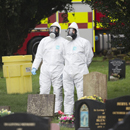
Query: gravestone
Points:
[5, 107]
[55, 126]
[41, 104]
[24, 121]
[116, 69]
[116, 109]
[89, 115]
[95, 83]
[122, 125]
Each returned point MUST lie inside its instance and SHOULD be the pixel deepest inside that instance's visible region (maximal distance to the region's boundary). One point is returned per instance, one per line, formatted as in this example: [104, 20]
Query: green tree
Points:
[18, 16]
[116, 18]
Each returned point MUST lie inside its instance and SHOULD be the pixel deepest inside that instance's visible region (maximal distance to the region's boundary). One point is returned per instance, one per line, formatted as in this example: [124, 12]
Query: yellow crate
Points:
[17, 71]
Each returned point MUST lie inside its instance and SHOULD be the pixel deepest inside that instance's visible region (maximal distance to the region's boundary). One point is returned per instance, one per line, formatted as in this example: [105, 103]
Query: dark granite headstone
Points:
[89, 115]
[123, 125]
[24, 121]
[116, 69]
[41, 104]
[116, 109]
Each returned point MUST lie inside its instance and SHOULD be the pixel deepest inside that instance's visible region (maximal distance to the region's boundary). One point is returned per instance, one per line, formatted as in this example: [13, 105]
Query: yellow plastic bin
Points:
[17, 71]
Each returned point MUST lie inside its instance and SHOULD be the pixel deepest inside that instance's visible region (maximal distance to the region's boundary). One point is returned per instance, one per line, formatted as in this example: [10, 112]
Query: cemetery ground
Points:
[18, 102]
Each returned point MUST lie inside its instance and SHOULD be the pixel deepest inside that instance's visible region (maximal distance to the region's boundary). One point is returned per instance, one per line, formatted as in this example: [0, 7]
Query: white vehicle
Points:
[83, 15]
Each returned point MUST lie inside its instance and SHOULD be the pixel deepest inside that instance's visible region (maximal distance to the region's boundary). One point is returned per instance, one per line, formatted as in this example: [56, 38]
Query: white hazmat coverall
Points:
[50, 54]
[78, 55]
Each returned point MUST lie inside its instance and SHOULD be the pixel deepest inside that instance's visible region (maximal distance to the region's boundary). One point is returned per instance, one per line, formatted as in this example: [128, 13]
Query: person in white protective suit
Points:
[78, 55]
[50, 54]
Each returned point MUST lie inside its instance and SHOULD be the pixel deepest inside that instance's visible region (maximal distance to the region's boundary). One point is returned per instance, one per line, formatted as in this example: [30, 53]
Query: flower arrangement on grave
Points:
[94, 97]
[115, 75]
[65, 120]
[5, 112]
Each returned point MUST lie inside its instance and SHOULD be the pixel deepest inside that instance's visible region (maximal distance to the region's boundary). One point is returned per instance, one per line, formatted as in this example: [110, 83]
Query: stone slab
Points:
[122, 125]
[116, 110]
[116, 69]
[41, 104]
[89, 114]
[55, 126]
[24, 121]
[95, 83]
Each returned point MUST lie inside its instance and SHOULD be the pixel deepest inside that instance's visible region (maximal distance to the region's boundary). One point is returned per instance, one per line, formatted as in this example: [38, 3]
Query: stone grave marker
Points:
[95, 83]
[41, 104]
[55, 126]
[116, 109]
[89, 115]
[122, 125]
[24, 121]
[5, 107]
[116, 69]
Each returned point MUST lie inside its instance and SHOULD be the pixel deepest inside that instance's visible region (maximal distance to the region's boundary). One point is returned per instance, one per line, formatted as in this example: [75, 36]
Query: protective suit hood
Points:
[57, 25]
[75, 26]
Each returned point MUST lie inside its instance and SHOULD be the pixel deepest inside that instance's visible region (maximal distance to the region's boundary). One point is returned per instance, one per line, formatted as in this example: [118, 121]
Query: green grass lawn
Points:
[18, 102]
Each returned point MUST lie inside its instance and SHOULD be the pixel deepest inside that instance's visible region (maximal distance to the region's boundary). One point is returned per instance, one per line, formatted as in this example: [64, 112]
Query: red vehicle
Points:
[31, 42]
